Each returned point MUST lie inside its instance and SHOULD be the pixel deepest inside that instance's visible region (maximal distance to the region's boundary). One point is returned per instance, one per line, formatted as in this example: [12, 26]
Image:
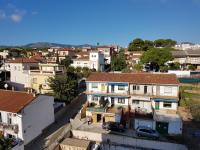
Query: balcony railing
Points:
[46, 72]
[11, 127]
[96, 109]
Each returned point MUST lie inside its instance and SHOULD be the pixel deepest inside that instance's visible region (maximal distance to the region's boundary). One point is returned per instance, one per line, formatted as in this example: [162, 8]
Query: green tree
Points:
[138, 67]
[86, 71]
[118, 62]
[136, 45]
[64, 87]
[192, 67]
[164, 43]
[66, 62]
[157, 55]
[174, 66]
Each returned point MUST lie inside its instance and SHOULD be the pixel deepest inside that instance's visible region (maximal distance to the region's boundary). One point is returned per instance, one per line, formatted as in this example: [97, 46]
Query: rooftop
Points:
[25, 60]
[138, 78]
[12, 101]
[76, 142]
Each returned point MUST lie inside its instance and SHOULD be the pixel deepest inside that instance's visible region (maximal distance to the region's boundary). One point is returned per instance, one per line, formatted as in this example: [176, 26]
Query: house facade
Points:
[91, 60]
[19, 69]
[38, 78]
[107, 51]
[121, 96]
[22, 115]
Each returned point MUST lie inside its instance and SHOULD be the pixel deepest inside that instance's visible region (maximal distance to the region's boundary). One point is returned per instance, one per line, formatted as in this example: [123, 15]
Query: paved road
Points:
[74, 107]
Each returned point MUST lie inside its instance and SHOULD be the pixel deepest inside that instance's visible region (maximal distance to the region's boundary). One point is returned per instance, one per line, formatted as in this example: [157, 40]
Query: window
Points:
[34, 80]
[135, 102]
[167, 90]
[121, 100]
[15, 67]
[121, 87]
[18, 68]
[9, 118]
[94, 85]
[0, 118]
[95, 98]
[136, 87]
[167, 104]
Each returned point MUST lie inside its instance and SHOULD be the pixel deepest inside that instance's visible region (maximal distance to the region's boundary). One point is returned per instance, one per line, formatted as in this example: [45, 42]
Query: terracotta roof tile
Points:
[138, 78]
[12, 101]
[24, 60]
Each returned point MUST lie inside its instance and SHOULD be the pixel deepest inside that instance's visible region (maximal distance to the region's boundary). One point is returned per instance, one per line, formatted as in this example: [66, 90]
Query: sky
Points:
[98, 21]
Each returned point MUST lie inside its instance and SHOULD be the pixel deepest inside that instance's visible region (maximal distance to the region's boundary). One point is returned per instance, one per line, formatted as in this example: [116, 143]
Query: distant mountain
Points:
[47, 44]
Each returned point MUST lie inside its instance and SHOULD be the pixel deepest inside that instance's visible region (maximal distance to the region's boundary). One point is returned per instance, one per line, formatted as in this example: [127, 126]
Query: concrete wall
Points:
[127, 140]
[37, 116]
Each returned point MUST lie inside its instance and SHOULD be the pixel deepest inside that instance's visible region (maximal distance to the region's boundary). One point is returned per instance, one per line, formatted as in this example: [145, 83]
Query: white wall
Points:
[165, 91]
[37, 116]
[144, 122]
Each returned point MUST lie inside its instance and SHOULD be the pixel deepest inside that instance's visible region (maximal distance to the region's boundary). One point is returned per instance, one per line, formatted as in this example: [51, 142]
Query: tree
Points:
[136, 45]
[138, 67]
[164, 43]
[64, 87]
[66, 62]
[118, 62]
[157, 55]
[86, 71]
[192, 67]
[175, 66]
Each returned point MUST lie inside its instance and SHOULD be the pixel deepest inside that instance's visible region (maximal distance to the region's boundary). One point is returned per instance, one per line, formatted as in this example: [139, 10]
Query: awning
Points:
[118, 83]
[164, 100]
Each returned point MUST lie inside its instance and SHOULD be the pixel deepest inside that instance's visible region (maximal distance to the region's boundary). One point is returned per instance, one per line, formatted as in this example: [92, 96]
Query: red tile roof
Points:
[137, 78]
[24, 60]
[12, 101]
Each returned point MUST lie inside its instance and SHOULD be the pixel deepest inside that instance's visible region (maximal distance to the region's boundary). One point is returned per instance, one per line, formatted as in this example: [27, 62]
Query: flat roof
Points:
[75, 142]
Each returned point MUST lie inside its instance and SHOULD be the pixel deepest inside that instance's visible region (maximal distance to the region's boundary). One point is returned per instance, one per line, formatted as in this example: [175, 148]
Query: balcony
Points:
[96, 109]
[11, 127]
[58, 72]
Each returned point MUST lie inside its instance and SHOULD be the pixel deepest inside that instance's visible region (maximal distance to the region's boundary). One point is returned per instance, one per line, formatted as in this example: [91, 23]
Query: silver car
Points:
[147, 132]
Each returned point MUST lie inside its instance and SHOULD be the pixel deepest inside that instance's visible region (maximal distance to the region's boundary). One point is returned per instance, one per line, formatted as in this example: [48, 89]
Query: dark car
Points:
[113, 126]
[147, 132]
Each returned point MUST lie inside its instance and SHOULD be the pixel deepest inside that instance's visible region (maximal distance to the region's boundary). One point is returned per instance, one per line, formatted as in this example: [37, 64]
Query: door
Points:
[112, 88]
[157, 105]
[145, 89]
[112, 101]
[162, 127]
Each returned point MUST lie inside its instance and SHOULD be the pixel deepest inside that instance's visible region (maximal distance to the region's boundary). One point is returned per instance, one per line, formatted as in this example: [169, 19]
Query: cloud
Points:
[2, 14]
[34, 13]
[16, 17]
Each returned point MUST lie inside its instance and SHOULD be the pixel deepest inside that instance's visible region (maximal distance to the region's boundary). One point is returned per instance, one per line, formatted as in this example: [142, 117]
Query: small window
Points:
[121, 87]
[121, 100]
[15, 67]
[34, 80]
[0, 117]
[9, 121]
[135, 102]
[167, 104]
[95, 98]
[168, 90]
[136, 87]
[94, 85]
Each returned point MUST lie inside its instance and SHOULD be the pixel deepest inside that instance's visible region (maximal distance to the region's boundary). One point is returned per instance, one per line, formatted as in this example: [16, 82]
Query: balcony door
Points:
[112, 88]
[145, 89]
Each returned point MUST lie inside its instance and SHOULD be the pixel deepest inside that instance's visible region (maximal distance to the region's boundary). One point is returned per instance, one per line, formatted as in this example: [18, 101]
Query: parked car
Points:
[113, 126]
[147, 132]
[196, 133]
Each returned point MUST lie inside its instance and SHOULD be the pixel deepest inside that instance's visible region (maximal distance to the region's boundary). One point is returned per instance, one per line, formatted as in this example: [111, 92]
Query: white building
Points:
[187, 46]
[4, 54]
[19, 69]
[107, 51]
[137, 94]
[91, 60]
[24, 116]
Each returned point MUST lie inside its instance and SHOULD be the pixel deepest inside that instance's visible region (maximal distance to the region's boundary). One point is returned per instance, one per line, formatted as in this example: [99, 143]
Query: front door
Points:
[112, 88]
[157, 105]
[145, 89]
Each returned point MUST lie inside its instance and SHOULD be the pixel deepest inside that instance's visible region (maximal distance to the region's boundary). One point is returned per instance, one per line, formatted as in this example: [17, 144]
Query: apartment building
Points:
[118, 96]
[187, 57]
[19, 69]
[91, 60]
[38, 78]
[24, 116]
[107, 51]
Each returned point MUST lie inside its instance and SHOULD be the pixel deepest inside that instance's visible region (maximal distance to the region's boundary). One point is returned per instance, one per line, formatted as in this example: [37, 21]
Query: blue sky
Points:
[103, 21]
